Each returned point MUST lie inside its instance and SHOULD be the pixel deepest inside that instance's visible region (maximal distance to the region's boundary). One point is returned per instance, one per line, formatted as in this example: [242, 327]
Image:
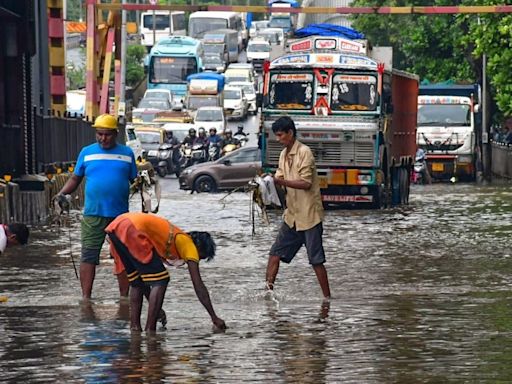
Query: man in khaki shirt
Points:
[304, 213]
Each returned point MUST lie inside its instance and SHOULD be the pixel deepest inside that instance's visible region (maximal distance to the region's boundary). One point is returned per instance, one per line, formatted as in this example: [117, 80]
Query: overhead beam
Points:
[431, 10]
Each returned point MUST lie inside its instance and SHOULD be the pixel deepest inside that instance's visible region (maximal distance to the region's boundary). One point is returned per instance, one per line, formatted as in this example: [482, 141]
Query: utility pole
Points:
[486, 163]
[122, 79]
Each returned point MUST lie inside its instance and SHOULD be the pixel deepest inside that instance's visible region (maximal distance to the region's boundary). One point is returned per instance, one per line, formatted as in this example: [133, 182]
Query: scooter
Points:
[420, 173]
[243, 139]
[170, 160]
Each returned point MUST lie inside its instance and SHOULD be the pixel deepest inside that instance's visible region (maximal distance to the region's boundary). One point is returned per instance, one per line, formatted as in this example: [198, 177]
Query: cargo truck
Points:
[449, 118]
[355, 112]
[204, 90]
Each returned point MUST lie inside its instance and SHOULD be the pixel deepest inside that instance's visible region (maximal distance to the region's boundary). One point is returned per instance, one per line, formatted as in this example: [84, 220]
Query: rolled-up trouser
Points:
[93, 237]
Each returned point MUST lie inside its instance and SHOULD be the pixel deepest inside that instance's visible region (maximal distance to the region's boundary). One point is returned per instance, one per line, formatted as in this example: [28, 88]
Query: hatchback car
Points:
[235, 103]
[234, 170]
[210, 117]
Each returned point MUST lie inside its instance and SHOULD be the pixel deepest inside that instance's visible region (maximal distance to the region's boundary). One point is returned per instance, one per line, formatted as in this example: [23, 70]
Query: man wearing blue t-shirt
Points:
[108, 168]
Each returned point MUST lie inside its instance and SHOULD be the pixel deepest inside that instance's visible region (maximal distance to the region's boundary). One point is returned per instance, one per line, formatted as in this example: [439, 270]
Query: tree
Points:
[445, 47]
[134, 66]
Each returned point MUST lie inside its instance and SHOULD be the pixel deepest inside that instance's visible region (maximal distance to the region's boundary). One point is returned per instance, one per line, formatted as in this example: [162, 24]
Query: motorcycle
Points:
[194, 154]
[420, 173]
[243, 139]
[169, 160]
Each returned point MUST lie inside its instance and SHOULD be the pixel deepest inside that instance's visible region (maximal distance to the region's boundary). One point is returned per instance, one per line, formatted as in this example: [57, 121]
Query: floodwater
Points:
[421, 294]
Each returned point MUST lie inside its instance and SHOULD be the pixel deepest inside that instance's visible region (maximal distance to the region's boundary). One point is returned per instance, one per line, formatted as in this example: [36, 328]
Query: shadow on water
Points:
[420, 295]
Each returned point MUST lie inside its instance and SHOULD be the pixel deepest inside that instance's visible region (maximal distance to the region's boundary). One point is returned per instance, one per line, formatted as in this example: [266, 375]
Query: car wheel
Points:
[205, 183]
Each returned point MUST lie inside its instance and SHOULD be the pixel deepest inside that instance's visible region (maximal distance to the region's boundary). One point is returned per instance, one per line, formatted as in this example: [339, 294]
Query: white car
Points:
[249, 92]
[235, 102]
[210, 117]
[159, 94]
[134, 143]
[258, 51]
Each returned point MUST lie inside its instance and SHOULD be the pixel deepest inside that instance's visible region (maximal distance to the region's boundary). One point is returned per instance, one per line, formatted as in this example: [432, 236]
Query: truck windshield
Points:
[291, 91]
[279, 22]
[195, 102]
[353, 92]
[169, 70]
[214, 48]
[444, 114]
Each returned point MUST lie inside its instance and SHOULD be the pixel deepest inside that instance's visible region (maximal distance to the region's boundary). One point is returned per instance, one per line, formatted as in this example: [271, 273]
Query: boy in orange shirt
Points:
[141, 243]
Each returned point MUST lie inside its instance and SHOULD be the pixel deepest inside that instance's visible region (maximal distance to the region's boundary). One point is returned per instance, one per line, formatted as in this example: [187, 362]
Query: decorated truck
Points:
[355, 112]
[449, 118]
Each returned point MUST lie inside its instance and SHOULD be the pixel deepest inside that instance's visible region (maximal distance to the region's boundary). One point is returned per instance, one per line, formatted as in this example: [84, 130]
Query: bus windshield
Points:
[444, 114]
[291, 91]
[352, 92]
[161, 22]
[171, 70]
[197, 27]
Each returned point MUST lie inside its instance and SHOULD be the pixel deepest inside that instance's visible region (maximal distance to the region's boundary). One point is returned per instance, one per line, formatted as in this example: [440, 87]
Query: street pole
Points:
[485, 117]
[154, 28]
[122, 79]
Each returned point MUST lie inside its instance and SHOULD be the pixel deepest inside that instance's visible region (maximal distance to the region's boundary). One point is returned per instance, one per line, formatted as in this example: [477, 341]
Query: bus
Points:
[171, 60]
[166, 24]
[204, 21]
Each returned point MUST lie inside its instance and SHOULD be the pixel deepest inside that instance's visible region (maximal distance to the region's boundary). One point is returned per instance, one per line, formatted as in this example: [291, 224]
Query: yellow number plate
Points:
[437, 167]
[322, 181]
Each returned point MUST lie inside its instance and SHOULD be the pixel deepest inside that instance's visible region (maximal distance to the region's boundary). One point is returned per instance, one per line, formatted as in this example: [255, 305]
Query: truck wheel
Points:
[205, 183]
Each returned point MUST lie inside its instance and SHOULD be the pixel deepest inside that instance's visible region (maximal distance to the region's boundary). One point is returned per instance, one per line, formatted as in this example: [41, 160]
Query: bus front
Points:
[170, 63]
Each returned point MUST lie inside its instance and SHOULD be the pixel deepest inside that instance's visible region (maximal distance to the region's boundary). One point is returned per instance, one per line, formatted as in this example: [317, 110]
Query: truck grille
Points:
[351, 148]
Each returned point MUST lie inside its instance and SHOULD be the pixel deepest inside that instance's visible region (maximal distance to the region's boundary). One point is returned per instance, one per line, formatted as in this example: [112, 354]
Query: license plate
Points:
[322, 182]
[152, 153]
[437, 167]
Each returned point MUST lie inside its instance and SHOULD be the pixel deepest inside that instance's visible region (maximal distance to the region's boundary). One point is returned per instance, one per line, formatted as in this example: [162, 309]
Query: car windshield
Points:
[230, 78]
[232, 94]
[154, 103]
[270, 36]
[149, 137]
[209, 115]
[248, 89]
[180, 134]
[156, 95]
[258, 48]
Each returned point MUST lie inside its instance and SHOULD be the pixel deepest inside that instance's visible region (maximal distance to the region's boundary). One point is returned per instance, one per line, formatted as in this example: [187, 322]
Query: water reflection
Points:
[420, 294]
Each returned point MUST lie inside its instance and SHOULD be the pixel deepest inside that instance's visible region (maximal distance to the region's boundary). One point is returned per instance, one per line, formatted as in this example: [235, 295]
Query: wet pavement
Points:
[421, 294]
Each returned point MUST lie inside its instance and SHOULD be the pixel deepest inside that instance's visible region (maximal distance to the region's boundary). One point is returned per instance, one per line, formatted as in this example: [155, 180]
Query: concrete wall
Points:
[501, 165]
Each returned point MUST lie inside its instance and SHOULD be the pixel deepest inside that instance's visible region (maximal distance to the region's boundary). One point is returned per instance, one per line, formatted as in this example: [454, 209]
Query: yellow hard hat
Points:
[105, 121]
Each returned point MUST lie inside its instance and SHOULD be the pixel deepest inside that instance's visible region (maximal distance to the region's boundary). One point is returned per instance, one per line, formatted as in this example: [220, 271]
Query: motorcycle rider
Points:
[214, 141]
[240, 132]
[175, 143]
[228, 139]
[190, 138]
[201, 138]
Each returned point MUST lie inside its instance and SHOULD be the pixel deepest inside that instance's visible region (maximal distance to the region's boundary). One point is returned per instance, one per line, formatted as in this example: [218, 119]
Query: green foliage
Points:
[442, 48]
[76, 77]
[134, 65]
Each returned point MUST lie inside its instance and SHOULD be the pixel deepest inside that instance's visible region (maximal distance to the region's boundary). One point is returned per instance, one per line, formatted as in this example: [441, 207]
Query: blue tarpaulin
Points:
[329, 30]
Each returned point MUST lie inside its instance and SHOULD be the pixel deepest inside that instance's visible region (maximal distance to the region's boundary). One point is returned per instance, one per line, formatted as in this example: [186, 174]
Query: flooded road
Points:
[421, 294]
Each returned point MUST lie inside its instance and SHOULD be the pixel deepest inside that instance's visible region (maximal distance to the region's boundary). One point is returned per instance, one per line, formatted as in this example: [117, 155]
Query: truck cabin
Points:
[325, 76]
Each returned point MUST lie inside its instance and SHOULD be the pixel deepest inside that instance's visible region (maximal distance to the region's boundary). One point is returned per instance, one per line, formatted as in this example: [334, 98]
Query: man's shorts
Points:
[93, 237]
[289, 241]
[139, 274]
